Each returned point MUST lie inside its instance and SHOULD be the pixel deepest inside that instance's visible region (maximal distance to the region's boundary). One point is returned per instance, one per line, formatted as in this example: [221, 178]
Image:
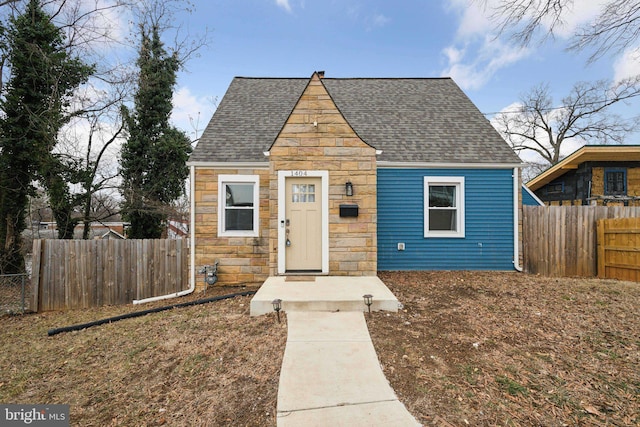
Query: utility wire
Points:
[561, 107]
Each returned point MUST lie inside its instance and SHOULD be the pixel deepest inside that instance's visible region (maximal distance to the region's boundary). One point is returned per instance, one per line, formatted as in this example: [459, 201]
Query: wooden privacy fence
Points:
[561, 240]
[69, 274]
[619, 249]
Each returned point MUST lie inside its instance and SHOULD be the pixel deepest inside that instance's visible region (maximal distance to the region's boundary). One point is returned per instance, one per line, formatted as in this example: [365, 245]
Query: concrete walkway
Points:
[331, 375]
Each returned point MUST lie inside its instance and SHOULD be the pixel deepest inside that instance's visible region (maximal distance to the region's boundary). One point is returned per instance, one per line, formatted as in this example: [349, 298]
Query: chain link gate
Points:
[14, 293]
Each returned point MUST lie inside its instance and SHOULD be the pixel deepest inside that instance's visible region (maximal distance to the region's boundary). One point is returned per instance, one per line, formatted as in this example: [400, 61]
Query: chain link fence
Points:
[15, 293]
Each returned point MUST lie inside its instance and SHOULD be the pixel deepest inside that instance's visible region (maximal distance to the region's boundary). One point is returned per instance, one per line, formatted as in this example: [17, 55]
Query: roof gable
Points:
[317, 108]
[409, 120]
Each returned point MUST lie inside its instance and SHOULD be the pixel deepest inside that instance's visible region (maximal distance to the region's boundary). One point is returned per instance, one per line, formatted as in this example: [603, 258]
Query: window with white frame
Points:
[443, 206]
[238, 204]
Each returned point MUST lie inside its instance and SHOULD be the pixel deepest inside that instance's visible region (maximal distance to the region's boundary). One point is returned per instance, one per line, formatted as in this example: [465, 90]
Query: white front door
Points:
[303, 224]
[303, 221]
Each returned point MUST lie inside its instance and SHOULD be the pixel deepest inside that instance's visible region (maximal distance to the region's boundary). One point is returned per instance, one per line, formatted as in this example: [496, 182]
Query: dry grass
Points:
[209, 364]
[476, 348]
[512, 349]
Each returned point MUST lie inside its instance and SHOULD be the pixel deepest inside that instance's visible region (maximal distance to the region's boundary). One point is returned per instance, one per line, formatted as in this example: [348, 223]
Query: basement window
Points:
[238, 204]
[444, 206]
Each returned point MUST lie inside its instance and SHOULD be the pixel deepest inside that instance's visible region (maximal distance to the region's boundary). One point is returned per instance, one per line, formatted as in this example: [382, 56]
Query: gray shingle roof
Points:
[410, 120]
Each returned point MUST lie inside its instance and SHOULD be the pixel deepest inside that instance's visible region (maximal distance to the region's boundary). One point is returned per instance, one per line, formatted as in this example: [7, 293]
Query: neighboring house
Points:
[351, 176]
[177, 229]
[592, 175]
[97, 229]
[111, 234]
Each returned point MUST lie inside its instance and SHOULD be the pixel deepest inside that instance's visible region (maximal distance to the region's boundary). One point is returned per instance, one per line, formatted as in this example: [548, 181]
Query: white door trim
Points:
[282, 176]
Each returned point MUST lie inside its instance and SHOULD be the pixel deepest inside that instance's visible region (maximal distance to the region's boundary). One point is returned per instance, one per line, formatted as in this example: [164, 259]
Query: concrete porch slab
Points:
[325, 293]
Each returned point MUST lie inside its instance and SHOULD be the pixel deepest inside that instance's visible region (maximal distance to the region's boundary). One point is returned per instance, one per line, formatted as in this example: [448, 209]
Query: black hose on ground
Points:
[81, 326]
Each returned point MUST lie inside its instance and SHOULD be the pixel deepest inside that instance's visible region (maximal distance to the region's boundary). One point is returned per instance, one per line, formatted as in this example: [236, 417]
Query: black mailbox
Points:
[348, 210]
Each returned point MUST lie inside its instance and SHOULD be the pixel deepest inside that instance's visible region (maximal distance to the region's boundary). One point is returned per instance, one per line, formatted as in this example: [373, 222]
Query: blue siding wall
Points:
[527, 199]
[488, 241]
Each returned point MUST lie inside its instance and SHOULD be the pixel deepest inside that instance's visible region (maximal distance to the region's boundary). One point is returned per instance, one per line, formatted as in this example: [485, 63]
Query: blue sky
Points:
[375, 38]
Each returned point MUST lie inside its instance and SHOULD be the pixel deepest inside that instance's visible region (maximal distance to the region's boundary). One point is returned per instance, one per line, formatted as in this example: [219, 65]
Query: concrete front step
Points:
[323, 293]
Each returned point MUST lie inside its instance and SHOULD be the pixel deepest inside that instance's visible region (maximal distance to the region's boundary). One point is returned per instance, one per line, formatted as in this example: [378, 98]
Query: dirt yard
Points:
[467, 349]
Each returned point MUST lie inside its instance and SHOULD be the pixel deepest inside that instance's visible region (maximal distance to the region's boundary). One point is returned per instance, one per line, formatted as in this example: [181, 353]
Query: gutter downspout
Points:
[516, 221]
[192, 247]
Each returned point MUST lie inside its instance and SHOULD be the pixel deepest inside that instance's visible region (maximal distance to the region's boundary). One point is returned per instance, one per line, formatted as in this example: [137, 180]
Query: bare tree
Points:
[90, 142]
[537, 126]
[176, 37]
[97, 178]
[616, 27]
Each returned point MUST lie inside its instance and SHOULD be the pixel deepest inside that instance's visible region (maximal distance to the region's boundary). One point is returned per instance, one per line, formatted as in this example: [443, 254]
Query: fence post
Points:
[600, 242]
[24, 283]
[36, 262]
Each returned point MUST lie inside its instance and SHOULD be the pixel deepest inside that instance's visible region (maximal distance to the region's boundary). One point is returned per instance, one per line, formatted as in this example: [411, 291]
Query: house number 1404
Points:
[299, 173]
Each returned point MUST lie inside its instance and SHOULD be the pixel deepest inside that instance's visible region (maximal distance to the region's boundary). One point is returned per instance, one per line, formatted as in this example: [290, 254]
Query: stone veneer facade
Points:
[331, 145]
[242, 260]
[315, 137]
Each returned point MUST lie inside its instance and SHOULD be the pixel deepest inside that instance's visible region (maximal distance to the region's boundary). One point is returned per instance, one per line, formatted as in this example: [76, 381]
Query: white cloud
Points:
[473, 19]
[453, 54]
[628, 65]
[379, 20]
[370, 19]
[476, 18]
[491, 56]
[284, 4]
[477, 54]
[190, 112]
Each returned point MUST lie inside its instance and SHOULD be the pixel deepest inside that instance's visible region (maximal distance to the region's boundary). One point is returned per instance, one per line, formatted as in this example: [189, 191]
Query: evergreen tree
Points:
[153, 159]
[43, 78]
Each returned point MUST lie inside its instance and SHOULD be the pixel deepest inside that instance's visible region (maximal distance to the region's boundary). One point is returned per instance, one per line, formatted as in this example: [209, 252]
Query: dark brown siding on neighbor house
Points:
[585, 186]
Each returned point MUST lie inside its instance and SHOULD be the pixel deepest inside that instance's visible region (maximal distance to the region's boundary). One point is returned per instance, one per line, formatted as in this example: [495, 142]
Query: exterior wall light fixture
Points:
[348, 188]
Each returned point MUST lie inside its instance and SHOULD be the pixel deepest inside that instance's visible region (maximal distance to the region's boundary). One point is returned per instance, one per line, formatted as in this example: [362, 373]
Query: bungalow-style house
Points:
[349, 176]
[592, 175]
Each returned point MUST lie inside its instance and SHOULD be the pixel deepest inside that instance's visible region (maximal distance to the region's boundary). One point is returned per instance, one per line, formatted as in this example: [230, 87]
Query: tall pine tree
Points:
[43, 78]
[153, 159]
